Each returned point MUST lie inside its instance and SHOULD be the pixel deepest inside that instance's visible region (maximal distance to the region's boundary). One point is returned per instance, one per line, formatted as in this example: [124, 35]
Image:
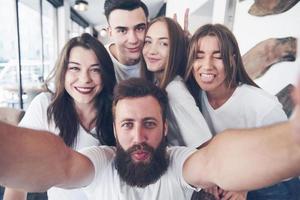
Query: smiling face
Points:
[208, 67]
[127, 31]
[83, 80]
[156, 48]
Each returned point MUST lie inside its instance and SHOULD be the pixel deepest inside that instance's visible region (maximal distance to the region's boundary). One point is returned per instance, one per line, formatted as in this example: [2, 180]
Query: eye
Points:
[122, 30]
[164, 44]
[95, 70]
[127, 125]
[141, 28]
[217, 56]
[199, 56]
[147, 41]
[73, 68]
[149, 124]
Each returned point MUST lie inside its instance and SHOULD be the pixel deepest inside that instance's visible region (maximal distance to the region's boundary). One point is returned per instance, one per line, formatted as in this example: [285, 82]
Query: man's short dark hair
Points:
[110, 5]
[138, 87]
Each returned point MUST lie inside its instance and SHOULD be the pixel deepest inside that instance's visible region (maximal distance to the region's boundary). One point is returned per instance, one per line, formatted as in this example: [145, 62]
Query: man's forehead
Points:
[138, 107]
[127, 18]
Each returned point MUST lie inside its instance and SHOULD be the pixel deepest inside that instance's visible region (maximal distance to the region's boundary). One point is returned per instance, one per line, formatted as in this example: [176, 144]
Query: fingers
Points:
[215, 191]
[227, 196]
[234, 195]
[186, 20]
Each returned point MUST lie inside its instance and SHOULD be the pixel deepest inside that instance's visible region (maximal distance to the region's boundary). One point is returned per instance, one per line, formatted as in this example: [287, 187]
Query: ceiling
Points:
[95, 13]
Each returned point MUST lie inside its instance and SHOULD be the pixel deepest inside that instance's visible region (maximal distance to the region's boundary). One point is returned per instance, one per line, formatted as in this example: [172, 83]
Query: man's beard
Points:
[142, 174]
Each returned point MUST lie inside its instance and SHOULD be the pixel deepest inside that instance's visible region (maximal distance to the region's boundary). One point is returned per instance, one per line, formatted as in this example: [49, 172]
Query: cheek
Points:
[145, 50]
[165, 55]
[141, 36]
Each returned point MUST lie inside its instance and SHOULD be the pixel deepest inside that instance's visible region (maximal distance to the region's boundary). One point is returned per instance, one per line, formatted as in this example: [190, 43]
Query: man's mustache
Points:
[138, 147]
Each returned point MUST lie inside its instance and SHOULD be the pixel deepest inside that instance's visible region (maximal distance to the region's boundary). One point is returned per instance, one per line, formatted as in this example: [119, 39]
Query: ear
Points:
[115, 132]
[165, 128]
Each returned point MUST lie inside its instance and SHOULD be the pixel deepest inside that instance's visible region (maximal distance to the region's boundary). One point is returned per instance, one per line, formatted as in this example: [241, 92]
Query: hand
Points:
[186, 22]
[227, 195]
[216, 191]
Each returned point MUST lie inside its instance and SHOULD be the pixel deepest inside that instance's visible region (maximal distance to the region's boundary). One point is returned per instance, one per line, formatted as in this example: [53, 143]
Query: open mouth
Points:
[84, 90]
[207, 77]
[140, 155]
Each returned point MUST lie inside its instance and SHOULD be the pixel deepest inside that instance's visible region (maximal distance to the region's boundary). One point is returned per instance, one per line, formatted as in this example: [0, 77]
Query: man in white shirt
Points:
[141, 166]
[127, 20]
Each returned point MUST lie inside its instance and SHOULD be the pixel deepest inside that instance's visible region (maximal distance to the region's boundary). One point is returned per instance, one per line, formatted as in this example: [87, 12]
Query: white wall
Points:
[249, 30]
[200, 12]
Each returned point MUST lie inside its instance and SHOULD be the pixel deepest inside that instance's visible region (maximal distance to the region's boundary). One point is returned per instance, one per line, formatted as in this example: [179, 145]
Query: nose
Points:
[206, 63]
[132, 37]
[139, 135]
[85, 76]
[152, 49]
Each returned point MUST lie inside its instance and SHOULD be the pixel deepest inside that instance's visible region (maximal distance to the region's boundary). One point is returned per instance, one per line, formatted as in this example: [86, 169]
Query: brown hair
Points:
[177, 56]
[62, 109]
[139, 87]
[231, 56]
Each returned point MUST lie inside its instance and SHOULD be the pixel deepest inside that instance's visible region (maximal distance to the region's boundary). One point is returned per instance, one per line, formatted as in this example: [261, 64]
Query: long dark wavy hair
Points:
[62, 108]
[176, 63]
[231, 57]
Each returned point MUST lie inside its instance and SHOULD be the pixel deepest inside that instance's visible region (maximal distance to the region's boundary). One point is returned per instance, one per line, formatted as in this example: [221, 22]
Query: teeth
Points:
[207, 77]
[84, 89]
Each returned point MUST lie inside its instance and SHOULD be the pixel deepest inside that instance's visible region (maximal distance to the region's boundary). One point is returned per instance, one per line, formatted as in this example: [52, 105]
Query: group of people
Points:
[169, 91]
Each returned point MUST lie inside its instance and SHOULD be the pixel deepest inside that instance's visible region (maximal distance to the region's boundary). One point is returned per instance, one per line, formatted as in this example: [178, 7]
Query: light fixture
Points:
[81, 5]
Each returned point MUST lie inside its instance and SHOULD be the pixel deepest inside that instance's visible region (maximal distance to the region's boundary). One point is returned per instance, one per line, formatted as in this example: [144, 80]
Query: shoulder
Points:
[179, 153]
[256, 94]
[43, 98]
[264, 103]
[99, 153]
[177, 89]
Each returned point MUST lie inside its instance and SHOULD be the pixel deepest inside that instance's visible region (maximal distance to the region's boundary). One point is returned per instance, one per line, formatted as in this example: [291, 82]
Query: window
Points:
[34, 54]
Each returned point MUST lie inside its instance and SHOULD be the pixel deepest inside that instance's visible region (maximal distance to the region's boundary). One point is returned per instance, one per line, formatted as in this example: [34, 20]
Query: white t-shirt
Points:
[248, 107]
[124, 72]
[36, 118]
[107, 184]
[192, 125]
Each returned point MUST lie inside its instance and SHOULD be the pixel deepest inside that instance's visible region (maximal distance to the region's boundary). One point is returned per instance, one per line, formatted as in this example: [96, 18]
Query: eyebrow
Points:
[161, 38]
[202, 52]
[144, 119]
[139, 25]
[76, 63]
[126, 27]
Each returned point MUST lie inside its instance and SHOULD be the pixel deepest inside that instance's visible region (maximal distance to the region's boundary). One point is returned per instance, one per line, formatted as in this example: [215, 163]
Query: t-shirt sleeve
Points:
[36, 114]
[178, 155]
[192, 125]
[276, 114]
[101, 157]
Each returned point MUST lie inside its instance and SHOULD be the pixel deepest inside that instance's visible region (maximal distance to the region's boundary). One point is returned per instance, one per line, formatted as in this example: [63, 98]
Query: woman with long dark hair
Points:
[79, 107]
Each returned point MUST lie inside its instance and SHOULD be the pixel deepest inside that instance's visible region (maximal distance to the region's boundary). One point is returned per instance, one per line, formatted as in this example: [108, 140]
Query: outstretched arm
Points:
[247, 159]
[37, 160]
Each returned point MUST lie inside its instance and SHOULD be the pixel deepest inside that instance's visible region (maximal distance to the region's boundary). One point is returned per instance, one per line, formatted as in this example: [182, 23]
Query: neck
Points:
[217, 99]
[87, 114]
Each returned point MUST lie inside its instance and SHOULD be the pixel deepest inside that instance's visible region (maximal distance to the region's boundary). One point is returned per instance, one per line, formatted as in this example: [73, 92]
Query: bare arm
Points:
[245, 159]
[37, 160]
[14, 194]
